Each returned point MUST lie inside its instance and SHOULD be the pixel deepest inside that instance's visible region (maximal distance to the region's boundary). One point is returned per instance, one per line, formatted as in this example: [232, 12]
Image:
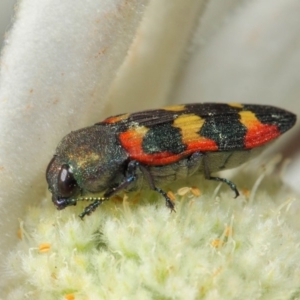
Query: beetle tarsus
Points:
[169, 203]
[227, 181]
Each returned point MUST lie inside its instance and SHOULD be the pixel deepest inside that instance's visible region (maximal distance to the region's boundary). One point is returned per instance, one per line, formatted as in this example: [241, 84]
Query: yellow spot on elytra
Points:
[248, 118]
[141, 130]
[237, 105]
[175, 108]
[44, 247]
[190, 125]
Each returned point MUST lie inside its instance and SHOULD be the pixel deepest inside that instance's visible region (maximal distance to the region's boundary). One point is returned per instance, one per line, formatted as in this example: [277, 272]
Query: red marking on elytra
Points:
[258, 134]
[202, 145]
[132, 141]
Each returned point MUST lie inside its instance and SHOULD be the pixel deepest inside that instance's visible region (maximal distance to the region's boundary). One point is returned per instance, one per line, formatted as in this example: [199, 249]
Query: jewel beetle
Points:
[155, 147]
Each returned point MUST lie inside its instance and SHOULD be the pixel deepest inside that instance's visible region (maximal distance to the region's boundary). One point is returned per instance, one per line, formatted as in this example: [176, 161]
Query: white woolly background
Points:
[69, 64]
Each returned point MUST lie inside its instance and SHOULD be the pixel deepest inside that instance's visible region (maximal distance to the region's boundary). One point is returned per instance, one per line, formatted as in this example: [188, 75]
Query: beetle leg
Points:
[152, 186]
[129, 178]
[208, 177]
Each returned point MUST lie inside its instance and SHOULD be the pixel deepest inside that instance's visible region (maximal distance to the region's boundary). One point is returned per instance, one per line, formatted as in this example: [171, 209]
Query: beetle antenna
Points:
[90, 199]
[96, 201]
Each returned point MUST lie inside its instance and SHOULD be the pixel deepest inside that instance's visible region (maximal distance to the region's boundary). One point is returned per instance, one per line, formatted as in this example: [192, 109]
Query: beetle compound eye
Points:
[67, 185]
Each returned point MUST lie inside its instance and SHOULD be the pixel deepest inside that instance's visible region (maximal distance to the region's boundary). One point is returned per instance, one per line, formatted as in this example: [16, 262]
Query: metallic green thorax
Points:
[94, 156]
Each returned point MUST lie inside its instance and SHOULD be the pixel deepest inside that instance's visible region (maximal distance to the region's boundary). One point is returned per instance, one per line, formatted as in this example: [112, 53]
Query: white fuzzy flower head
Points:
[213, 247]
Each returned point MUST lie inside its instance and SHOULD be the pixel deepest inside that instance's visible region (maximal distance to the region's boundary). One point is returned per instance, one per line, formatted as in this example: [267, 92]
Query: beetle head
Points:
[88, 160]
